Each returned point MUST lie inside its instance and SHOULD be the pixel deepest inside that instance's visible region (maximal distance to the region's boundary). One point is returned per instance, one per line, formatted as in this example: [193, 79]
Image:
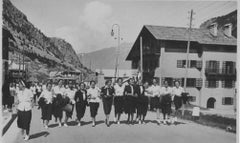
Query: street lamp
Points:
[112, 34]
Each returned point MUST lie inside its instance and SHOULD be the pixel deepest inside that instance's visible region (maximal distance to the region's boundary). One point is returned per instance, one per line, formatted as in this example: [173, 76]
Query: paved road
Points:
[185, 132]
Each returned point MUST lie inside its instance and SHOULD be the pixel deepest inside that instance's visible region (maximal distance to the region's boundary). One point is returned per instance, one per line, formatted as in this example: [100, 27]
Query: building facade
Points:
[211, 74]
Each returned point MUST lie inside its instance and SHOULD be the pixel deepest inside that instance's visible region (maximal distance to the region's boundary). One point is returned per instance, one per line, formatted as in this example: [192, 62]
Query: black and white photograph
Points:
[119, 71]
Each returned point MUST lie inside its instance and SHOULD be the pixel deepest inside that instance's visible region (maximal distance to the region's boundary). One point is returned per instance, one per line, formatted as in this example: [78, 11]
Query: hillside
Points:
[67, 52]
[106, 58]
[222, 20]
[48, 53]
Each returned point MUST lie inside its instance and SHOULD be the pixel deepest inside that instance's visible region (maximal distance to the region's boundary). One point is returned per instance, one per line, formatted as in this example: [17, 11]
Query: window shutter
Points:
[179, 63]
[199, 64]
[218, 66]
[223, 83]
[224, 67]
[233, 84]
[223, 101]
[198, 82]
[206, 83]
[217, 83]
[207, 64]
[234, 67]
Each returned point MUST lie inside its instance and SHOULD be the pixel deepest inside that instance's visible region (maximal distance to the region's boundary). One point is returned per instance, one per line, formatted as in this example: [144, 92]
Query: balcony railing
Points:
[213, 71]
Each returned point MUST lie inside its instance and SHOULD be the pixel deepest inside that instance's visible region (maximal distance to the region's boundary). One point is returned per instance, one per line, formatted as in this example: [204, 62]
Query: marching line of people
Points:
[133, 98]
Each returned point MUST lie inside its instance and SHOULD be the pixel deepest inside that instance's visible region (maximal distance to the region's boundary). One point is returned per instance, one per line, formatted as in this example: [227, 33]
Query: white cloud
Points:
[92, 29]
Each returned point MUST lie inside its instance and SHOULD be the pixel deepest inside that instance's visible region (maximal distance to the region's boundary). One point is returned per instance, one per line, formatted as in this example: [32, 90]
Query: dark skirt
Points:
[142, 105]
[155, 102]
[107, 105]
[93, 108]
[118, 104]
[166, 104]
[177, 102]
[47, 112]
[58, 104]
[130, 104]
[80, 109]
[24, 119]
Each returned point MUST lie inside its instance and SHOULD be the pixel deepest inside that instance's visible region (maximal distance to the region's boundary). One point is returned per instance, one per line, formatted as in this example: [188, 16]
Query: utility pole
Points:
[117, 50]
[188, 47]
[141, 58]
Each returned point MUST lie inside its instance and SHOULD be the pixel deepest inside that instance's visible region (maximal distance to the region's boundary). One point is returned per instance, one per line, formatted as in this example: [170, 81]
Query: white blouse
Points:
[155, 90]
[24, 97]
[58, 90]
[165, 90]
[119, 90]
[177, 91]
[94, 94]
[48, 95]
[71, 94]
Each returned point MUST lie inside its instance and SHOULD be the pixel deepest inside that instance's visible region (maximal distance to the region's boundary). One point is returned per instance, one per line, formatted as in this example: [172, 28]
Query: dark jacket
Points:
[137, 90]
[110, 90]
[128, 89]
[79, 97]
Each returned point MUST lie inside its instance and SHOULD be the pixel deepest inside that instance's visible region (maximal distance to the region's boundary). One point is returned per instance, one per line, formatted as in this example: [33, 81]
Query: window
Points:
[228, 83]
[212, 66]
[135, 64]
[228, 67]
[181, 63]
[227, 101]
[211, 83]
[191, 82]
[192, 64]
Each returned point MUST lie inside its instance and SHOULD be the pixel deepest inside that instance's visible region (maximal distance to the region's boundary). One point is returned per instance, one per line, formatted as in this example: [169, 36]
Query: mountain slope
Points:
[222, 20]
[67, 51]
[106, 58]
[48, 53]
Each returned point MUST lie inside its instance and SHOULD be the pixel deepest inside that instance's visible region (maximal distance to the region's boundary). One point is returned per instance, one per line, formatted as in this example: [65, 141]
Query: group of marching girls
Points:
[133, 97]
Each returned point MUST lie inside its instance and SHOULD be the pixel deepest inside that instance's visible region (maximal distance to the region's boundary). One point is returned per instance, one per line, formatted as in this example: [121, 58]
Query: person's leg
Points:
[66, 119]
[158, 115]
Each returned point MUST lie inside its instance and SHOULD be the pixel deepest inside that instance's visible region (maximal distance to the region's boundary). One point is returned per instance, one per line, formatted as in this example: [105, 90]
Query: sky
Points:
[87, 24]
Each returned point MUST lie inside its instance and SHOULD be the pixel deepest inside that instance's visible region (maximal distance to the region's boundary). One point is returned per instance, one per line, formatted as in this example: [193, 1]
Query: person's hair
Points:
[176, 81]
[107, 81]
[155, 79]
[82, 83]
[119, 79]
[92, 81]
[48, 83]
[130, 80]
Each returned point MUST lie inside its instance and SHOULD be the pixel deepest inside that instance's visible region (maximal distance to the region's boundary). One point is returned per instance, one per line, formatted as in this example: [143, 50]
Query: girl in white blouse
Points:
[177, 99]
[118, 99]
[94, 98]
[59, 92]
[69, 93]
[47, 96]
[25, 103]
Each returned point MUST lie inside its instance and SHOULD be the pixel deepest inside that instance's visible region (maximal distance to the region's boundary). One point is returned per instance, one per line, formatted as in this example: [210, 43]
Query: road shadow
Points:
[151, 121]
[179, 123]
[83, 123]
[52, 125]
[99, 122]
[40, 134]
[72, 123]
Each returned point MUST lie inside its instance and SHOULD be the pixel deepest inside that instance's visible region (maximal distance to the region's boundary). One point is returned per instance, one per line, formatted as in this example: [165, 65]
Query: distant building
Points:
[212, 69]
[123, 73]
